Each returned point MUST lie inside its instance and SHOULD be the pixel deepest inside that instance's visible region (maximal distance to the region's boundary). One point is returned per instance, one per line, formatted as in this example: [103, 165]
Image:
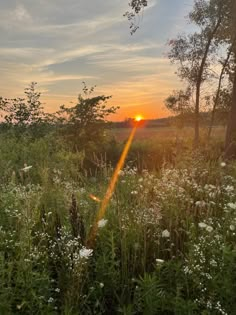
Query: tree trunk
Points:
[196, 120]
[199, 81]
[230, 141]
[218, 91]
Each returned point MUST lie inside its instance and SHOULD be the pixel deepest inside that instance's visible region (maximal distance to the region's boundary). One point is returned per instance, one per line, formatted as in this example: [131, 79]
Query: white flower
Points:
[213, 263]
[159, 261]
[102, 223]
[101, 285]
[85, 252]
[50, 300]
[200, 203]
[209, 228]
[202, 225]
[222, 164]
[165, 233]
[232, 227]
[232, 205]
[229, 188]
[26, 168]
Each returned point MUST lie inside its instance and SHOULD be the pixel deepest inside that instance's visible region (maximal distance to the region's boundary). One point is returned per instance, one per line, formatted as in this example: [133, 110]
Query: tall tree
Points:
[192, 52]
[222, 27]
[218, 95]
[230, 141]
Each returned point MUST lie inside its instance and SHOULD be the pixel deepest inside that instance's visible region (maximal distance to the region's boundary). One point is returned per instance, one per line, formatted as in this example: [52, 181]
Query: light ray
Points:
[94, 198]
[110, 189]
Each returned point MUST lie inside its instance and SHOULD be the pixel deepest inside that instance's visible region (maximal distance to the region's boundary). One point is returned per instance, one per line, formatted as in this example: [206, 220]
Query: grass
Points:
[163, 134]
[166, 245]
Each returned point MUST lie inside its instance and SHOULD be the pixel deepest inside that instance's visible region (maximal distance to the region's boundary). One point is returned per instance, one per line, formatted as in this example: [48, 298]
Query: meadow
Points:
[163, 134]
[166, 244]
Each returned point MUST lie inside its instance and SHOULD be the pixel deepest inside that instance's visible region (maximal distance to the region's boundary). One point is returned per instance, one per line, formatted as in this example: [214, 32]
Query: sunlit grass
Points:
[164, 245]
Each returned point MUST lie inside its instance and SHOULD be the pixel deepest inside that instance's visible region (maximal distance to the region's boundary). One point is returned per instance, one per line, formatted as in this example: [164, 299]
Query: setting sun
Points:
[138, 118]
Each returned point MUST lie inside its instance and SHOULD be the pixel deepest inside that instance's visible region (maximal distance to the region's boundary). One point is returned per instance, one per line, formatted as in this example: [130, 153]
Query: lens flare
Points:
[94, 198]
[110, 190]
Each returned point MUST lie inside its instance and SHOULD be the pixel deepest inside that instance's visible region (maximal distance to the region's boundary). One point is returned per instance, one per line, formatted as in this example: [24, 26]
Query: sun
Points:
[138, 118]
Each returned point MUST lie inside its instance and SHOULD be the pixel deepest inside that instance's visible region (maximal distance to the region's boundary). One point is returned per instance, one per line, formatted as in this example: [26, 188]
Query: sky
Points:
[61, 43]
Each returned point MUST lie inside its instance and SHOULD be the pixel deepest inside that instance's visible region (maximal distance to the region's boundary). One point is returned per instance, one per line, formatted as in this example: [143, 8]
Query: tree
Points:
[137, 6]
[220, 94]
[23, 114]
[192, 51]
[230, 141]
[224, 30]
[84, 124]
[179, 103]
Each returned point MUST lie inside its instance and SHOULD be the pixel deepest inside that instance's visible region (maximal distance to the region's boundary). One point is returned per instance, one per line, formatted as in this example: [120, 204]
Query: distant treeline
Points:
[188, 120]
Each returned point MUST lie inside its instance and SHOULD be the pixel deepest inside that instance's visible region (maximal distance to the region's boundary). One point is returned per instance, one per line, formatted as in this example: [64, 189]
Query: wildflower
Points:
[232, 205]
[213, 263]
[222, 164]
[26, 168]
[159, 261]
[101, 285]
[186, 270]
[134, 192]
[202, 225]
[200, 203]
[102, 223]
[50, 300]
[209, 228]
[229, 188]
[85, 252]
[57, 290]
[232, 227]
[165, 233]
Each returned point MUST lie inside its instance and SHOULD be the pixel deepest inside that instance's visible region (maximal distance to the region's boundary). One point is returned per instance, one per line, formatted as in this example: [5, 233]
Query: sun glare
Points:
[138, 118]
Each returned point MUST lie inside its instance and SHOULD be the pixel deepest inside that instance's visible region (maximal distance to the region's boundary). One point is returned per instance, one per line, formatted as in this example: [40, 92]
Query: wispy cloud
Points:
[61, 43]
[21, 14]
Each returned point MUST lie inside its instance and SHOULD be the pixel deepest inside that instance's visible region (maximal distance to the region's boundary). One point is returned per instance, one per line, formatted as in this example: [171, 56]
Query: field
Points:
[166, 244]
[165, 133]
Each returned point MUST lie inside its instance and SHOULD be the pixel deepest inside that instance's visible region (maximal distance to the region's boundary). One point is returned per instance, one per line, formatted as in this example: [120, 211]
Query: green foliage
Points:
[24, 115]
[158, 244]
[180, 104]
[86, 121]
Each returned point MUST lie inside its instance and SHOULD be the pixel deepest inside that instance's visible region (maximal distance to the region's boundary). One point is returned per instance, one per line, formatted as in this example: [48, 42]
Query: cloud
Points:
[14, 19]
[60, 43]
[21, 14]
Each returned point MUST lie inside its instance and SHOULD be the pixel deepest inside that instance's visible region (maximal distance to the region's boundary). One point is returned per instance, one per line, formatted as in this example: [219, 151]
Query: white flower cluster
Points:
[205, 226]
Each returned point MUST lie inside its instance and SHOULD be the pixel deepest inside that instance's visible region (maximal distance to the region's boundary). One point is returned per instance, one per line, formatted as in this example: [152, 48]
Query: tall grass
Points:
[167, 247]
